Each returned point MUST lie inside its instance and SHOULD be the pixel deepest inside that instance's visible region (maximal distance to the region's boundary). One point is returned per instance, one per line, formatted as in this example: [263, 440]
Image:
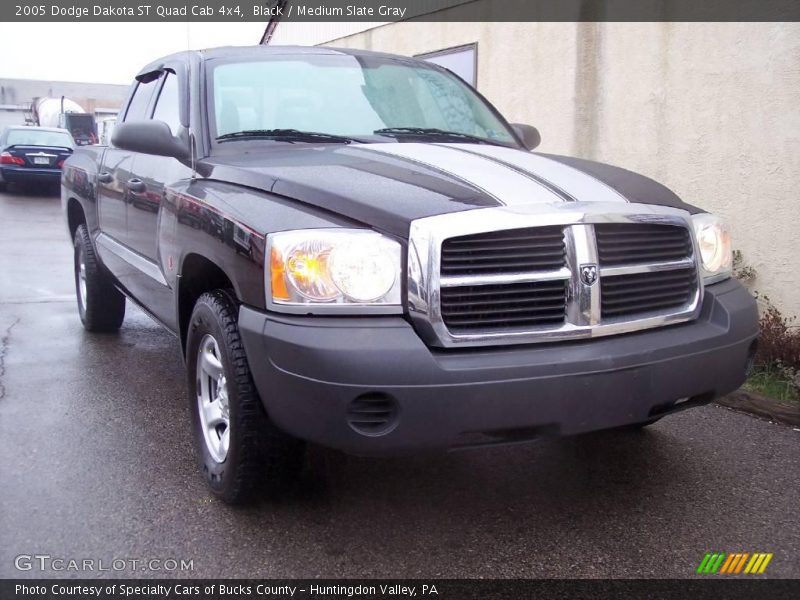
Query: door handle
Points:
[136, 185]
[105, 177]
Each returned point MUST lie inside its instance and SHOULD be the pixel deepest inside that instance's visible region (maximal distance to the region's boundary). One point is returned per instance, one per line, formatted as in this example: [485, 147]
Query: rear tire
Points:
[240, 450]
[3, 186]
[101, 306]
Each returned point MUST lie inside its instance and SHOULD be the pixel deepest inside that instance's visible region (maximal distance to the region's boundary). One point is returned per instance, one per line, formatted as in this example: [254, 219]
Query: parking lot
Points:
[98, 464]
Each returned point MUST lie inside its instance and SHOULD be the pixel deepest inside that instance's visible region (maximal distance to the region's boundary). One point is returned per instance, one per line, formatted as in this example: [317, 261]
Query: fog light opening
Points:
[373, 414]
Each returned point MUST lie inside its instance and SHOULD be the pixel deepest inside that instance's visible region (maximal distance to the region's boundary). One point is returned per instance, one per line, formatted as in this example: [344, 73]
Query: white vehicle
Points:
[64, 113]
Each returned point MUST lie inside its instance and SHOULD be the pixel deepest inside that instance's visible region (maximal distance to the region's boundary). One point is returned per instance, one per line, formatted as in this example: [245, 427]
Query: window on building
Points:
[462, 60]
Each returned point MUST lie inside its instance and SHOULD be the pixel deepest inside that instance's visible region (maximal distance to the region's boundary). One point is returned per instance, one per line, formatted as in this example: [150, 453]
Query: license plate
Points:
[41, 160]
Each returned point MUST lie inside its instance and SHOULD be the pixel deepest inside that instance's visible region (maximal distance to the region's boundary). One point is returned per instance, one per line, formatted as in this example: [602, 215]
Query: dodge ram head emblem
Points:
[589, 274]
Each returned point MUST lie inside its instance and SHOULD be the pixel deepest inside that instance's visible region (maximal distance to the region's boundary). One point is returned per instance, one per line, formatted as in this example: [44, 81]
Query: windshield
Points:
[38, 137]
[352, 96]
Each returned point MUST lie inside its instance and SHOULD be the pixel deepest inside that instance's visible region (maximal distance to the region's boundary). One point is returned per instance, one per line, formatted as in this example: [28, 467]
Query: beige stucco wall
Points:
[712, 110]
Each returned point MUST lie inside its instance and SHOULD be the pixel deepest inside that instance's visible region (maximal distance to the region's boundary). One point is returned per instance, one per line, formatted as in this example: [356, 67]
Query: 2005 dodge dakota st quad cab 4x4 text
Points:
[357, 250]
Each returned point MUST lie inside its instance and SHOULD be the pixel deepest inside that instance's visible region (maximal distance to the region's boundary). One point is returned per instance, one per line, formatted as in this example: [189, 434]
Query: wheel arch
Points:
[75, 216]
[198, 275]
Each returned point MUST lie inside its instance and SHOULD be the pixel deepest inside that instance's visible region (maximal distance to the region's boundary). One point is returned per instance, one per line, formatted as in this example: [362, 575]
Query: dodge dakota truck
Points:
[357, 250]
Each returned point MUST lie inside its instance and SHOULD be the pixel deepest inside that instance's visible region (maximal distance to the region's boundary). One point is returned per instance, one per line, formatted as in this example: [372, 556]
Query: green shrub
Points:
[776, 371]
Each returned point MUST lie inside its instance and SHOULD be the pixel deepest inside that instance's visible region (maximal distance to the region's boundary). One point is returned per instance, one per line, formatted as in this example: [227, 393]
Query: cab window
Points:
[168, 104]
[137, 109]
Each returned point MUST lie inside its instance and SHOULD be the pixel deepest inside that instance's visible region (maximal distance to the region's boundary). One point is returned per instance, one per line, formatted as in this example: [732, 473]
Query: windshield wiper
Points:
[290, 135]
[433, 132]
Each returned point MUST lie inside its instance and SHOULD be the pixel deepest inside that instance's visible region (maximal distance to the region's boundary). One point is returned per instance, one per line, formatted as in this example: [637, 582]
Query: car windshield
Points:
[349, 96]
[38, 137]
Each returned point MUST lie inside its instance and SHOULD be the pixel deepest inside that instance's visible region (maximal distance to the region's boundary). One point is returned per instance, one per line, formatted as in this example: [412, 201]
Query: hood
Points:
[388, 185]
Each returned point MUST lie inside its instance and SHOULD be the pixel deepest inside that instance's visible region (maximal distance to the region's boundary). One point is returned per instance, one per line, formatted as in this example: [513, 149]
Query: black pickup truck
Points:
[357, 250]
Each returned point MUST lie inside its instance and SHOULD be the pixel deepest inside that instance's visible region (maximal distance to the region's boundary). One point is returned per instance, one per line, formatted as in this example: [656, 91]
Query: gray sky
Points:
[107, 52]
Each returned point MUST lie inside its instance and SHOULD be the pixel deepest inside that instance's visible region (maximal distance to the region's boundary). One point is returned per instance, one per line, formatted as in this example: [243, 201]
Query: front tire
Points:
[101, 306]
[240, 449]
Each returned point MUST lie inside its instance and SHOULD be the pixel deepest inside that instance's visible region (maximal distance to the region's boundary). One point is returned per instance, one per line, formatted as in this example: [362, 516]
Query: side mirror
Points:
[149, 137]
[528, 134]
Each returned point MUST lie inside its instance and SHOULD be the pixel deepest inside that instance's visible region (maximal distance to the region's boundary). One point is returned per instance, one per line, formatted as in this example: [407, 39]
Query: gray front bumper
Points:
[309, 370]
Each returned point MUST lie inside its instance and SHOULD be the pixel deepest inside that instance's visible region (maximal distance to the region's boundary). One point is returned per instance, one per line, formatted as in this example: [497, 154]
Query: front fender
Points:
[227, 225]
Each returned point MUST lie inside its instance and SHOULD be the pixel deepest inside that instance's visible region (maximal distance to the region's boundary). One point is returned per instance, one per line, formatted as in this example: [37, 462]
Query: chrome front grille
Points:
[545, 273]
[641, 293]
[496, 252]
[637, 293]
[497, 307]
[636, 243]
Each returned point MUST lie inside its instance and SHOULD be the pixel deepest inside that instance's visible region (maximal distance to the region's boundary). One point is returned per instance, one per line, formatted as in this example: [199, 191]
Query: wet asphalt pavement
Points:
[97, 463]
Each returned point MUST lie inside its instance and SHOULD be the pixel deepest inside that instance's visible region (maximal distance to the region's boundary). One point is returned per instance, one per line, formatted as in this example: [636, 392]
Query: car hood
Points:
[388, 185]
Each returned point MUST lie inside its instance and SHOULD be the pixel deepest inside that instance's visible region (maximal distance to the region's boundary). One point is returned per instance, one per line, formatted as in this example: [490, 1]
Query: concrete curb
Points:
[762, 406]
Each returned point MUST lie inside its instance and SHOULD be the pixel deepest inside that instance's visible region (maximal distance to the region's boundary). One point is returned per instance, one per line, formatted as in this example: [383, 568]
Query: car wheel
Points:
[240, 450]
[101, 306]
[3, 186]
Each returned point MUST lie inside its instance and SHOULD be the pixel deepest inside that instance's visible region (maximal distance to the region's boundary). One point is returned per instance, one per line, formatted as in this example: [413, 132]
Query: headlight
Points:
[329, 270]
[714, 243]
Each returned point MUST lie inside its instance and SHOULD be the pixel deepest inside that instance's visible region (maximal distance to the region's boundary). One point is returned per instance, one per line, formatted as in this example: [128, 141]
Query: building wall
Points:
[312, 33]
[712, 110]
